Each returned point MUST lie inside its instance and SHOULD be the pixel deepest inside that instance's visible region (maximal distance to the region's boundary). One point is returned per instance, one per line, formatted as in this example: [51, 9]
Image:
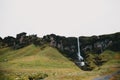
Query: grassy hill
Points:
[38, 62]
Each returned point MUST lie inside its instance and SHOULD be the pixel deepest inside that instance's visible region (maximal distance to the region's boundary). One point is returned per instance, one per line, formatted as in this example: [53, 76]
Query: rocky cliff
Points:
[94, 44]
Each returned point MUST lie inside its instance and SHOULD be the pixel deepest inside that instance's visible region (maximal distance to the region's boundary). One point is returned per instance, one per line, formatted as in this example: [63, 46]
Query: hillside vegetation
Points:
[37, 62]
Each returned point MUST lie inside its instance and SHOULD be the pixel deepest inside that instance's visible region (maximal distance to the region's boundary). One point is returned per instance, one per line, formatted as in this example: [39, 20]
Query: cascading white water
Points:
[80, 58]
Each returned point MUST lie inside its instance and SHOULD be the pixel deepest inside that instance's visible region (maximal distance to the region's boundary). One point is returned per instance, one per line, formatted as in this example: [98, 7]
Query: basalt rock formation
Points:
[95, 44]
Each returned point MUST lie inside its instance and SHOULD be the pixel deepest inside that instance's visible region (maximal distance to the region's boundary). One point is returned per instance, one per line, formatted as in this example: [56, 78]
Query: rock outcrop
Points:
[95, 44]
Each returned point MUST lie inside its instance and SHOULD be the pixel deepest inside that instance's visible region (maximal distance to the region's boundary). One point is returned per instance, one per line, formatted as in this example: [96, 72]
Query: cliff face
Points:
[66, 45]
[94, 44]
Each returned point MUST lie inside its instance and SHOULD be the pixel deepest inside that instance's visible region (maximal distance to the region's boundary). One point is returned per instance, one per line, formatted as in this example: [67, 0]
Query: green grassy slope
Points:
[31, 56]
[31, 60]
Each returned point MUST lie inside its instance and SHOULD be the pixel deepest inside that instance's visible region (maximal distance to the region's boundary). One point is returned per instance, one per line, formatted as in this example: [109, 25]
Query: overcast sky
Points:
[61, 17]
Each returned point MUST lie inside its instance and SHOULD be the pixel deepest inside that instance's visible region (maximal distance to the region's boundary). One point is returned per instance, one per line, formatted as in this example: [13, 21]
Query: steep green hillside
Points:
[32, 58]
[49, 63]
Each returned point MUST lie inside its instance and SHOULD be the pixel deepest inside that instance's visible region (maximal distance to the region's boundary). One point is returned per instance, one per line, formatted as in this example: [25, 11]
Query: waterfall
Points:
[79, 54]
